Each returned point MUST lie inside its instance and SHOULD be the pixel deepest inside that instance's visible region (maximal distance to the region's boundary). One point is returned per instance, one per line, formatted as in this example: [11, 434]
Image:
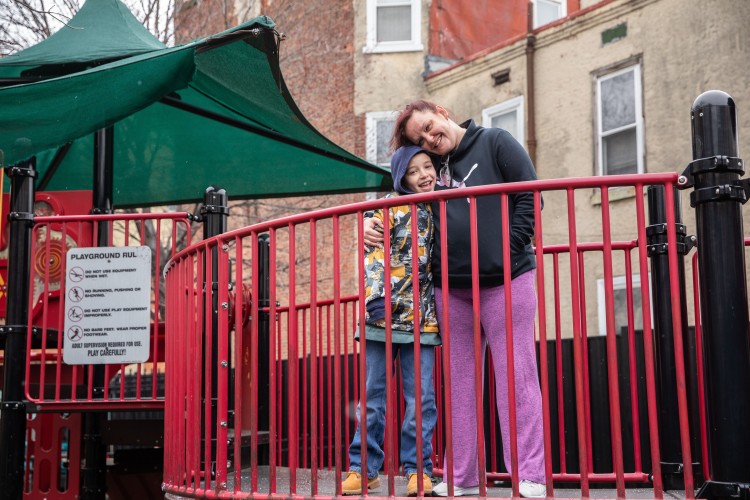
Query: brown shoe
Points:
[413, 487]
[352, 485]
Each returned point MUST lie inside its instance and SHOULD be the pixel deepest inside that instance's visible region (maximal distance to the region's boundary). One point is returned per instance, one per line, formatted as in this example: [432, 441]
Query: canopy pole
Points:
[13, 408]
[215, 213]
[94, 484]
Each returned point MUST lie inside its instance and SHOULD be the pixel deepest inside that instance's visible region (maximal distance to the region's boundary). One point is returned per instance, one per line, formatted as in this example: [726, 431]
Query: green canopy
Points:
[213, 111]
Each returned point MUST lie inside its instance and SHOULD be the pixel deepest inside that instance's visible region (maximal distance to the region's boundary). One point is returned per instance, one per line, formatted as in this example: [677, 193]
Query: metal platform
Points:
[327, 487]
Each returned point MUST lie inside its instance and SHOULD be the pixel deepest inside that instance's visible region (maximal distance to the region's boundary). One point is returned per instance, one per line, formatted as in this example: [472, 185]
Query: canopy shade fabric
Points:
[215, 111]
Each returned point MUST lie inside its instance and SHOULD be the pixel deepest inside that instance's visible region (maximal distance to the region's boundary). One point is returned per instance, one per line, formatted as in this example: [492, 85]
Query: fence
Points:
[223, 439]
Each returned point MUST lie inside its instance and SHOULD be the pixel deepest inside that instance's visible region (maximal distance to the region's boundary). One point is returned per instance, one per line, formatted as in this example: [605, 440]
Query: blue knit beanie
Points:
[399, 162]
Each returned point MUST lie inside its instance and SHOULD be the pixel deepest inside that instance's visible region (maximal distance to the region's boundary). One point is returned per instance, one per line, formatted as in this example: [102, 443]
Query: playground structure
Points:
[264, 378]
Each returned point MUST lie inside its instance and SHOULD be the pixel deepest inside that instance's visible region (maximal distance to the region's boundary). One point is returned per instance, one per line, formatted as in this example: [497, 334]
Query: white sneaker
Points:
[530, 489]
[441, 490]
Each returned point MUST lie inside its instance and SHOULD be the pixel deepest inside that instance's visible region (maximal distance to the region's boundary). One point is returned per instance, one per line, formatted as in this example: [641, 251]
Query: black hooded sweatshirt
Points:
[485, 156]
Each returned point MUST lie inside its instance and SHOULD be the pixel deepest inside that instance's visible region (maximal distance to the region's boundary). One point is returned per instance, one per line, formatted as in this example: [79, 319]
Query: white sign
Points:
[107, 305]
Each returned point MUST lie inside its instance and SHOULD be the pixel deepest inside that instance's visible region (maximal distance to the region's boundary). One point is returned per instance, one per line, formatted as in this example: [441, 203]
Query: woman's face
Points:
[420, 175]
[433, 131]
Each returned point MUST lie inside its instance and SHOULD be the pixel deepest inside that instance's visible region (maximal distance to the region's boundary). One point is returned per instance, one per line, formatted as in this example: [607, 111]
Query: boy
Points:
[413, 171]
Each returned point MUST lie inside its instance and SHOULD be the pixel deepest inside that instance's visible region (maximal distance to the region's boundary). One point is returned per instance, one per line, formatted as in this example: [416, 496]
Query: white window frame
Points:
[371, 129]
[563, 11]
[638, 125]
[415, 44]
[515, 104]
[619, 283]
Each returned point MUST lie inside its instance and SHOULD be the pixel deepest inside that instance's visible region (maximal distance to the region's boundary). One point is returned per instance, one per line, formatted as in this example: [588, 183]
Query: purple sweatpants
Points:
[528, 394]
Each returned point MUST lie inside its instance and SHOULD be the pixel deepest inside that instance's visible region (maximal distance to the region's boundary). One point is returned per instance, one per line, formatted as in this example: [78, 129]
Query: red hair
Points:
[399, 138]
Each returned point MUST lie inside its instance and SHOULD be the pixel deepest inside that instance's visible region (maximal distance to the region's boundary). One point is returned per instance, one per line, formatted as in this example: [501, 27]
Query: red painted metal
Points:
[315, 381]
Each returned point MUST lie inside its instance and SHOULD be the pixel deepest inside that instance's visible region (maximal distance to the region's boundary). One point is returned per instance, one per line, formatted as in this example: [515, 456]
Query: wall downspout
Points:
[530, 49]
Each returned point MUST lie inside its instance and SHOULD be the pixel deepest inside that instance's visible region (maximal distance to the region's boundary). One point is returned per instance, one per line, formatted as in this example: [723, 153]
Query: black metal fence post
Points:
[717, 198]
[13, 409]
[666, 380]
[264, 323]
[215, 213]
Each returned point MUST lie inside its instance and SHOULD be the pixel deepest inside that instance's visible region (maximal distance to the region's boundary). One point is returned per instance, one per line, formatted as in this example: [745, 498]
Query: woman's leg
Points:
[429, 411]
[529, 426]
[375, 373]
[463, 392]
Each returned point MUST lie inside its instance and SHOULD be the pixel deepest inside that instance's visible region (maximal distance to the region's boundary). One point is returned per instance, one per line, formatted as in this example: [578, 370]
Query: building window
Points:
[547, 11]
[621, 304]
[394, 25]
[379, 128]
[507, 115]
[620, 122]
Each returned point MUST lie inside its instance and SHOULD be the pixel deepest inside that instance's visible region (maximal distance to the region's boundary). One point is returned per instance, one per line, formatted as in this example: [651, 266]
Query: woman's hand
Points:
[373, 232]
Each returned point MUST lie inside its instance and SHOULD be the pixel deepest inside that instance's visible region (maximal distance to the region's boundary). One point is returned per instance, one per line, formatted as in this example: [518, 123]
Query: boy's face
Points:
[420, 175]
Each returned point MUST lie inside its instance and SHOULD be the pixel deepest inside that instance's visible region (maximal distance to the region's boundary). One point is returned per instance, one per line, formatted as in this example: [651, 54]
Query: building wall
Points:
[684, 50]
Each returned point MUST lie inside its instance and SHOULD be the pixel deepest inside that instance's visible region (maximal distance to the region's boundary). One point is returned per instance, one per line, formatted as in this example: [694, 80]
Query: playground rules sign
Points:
[107, 305]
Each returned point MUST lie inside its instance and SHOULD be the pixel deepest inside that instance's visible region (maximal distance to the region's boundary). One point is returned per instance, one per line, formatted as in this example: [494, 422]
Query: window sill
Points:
[393, 47]
[615, 194]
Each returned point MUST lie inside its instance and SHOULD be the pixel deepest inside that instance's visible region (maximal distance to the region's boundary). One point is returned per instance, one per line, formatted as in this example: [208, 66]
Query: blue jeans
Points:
[376, 394]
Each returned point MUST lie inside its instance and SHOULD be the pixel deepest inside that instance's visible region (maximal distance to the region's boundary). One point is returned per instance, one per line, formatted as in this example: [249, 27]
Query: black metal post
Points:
[715, 173]
[94, 470]
[13, 409]
[263, 331]
[215, 212]
[670, 449]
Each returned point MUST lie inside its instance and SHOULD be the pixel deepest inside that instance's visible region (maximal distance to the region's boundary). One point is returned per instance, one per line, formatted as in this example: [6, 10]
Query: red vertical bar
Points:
[337, 396]
[614, 390]
[305, 403]
[329, 400]
[363, 349]
[197, 281]
[60, 319]
[648, 345]
[636, 425]
[314, 354]
[390, 408]
[155, 320]
[254, 357]
[478, 347]
[577, 347]
[509, 344]
[446, 339]
[30, 309]
[585, 350]
[346, 395]
[274, 368]
[293, 361]
[558, 364]
[239, 378]
[207, 362]
[699, 364]
[678, 348]
[543, 355]
[415, 288]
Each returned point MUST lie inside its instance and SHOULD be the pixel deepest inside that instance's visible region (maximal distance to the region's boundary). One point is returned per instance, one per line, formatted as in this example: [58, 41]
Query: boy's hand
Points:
[373, 232]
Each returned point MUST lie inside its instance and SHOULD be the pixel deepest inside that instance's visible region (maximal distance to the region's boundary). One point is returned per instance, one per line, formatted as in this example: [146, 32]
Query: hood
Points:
[399, 162]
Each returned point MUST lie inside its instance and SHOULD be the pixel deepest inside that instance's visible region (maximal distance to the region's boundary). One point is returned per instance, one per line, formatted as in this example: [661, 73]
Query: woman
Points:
[474, 156]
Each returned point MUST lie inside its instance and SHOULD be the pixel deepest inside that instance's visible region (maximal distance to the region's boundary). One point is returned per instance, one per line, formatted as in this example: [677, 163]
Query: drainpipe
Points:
[530, 49]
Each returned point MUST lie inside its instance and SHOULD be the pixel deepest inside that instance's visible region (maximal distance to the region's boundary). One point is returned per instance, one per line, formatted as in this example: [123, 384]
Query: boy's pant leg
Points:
[429, 409]
[375, 379]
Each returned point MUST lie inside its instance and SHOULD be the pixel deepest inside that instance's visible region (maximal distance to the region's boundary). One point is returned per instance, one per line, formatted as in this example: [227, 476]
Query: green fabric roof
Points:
[214, 111]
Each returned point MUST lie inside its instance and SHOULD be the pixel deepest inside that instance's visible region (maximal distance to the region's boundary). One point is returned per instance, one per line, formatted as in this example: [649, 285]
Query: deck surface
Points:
[327, 487]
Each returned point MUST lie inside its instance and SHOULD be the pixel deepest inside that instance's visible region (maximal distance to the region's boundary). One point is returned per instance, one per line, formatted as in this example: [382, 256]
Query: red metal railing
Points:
[50, 383]
[215, 444]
